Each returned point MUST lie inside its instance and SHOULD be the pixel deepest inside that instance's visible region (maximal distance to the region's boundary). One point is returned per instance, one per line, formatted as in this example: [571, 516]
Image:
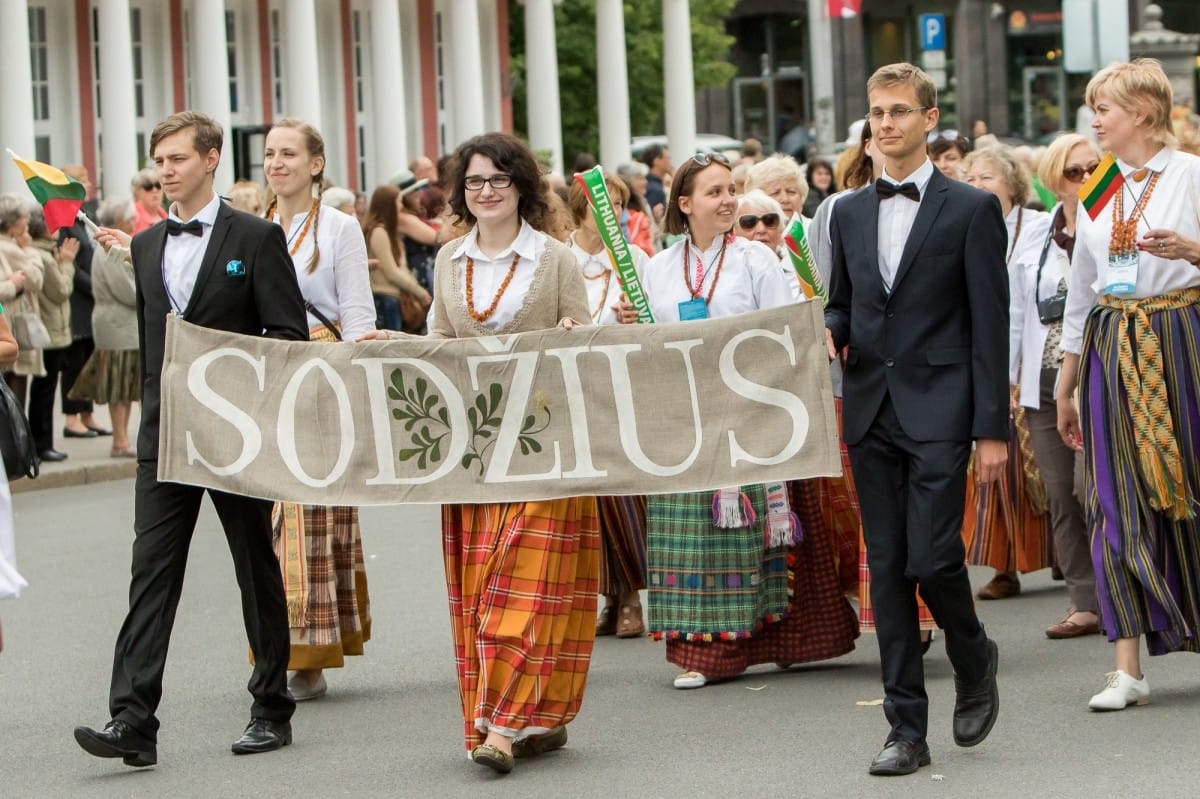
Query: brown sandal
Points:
[606, 622]
[631, 624]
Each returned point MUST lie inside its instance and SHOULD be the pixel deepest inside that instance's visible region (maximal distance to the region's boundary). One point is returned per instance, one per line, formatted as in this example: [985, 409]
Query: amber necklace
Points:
[312, 212]
[687, 276]
[486, 315]
[1124, 231]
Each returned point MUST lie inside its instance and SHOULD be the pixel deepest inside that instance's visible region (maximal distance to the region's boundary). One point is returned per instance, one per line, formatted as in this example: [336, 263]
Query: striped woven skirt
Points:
[1001, 528]
[706, 582]
[622, 544]
[325, 582]
[1147, 566]
[819, 623]
[522, 581]
[839, 506]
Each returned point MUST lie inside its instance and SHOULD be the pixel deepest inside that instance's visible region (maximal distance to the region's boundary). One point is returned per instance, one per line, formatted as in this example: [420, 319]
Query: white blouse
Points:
[488, 274]
[750, 279]
[340, 286]
[600, 279]
[1025, 365]
[1174, 206]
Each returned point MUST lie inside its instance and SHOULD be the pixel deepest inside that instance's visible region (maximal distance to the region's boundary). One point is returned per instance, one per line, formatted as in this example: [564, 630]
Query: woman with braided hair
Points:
[319, 548]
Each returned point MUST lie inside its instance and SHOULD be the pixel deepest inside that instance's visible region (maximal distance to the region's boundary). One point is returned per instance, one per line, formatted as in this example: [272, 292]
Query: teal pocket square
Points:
[235, 269]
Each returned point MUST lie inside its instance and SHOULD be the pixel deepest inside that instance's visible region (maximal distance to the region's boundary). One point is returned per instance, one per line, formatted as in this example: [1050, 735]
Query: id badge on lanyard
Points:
[1122, 273]
[693, 309]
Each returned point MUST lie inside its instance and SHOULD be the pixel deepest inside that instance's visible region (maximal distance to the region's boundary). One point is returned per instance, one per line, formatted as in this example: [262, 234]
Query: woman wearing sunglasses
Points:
[1006, 524]
[718, 590]
[1039, 289]
[783, 181]
[147, 200]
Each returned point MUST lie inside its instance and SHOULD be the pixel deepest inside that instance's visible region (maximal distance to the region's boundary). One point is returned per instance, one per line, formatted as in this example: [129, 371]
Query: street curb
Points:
[77, 475]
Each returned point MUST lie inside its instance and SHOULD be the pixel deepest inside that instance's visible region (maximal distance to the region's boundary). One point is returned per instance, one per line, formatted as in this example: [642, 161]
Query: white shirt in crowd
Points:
[896, 217]
[600, 279]
[489, 273]
[1022, 271]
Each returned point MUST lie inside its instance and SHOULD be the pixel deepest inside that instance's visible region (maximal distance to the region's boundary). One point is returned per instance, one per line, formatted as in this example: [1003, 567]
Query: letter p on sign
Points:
[932, 31]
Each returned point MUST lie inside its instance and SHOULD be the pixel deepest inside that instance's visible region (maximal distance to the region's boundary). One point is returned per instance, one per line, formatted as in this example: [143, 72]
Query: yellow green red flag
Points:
[60, 196]
[1106, 180]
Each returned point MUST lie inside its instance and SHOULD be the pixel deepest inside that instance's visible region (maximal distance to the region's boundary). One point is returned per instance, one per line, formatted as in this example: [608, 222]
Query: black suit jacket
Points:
[938, 343]
[263, 300]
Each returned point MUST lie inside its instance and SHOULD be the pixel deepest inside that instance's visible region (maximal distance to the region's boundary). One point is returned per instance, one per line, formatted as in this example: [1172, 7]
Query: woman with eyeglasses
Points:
[147, 200]
[1006, 524]
[521, 576]
[783, 181]
[716, 631]
[1039, 290]
[1131, 343]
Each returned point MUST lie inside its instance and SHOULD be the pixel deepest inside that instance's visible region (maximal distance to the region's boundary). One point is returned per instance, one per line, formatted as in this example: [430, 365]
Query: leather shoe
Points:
[52, 455]
[1069, 629]
[100, 431]
[1002, 586]
[118, 739]
[263, 735]
[976, 705]
[69, 433]
[900, 757]
[536, 745]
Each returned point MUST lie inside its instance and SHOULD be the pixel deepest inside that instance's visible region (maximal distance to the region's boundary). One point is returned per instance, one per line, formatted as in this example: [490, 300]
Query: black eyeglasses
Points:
[896, 112]
[704, 159]
[476, 182]
[750, 221]
[1076, 174]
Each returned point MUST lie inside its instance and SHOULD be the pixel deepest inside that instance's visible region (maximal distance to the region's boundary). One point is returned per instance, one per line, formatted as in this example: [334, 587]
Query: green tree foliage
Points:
[575, 22]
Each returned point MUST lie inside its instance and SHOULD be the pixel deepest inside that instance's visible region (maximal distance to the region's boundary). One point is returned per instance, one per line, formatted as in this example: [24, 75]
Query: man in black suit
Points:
[227, 270]
[919, 291]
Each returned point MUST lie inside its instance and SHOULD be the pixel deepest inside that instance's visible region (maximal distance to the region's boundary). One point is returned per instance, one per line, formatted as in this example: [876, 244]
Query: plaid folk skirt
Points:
[325, 583]
[1147, 566]
[819, 623]
[522, 581]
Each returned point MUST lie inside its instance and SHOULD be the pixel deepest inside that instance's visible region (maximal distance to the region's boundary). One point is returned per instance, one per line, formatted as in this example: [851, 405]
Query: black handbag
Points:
[1050, 309]
[16, 439]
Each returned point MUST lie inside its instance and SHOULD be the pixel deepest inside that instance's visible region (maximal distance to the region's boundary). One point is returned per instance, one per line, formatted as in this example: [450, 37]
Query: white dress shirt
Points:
[750, 279]
[600, 279]
[183, 254]
[488, 273]
[1174, 206]
[896, 217]
[1024, 327]
[340, 286]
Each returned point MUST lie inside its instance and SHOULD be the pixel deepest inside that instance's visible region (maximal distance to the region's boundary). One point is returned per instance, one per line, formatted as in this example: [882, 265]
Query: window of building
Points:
[440, 87]
[135, 35]
[38, 67]
[276, 60]
[231, 49]
[360, 24]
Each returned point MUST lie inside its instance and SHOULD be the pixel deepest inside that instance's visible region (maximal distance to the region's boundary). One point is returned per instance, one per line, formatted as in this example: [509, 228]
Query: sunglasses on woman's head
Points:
[750, 221]
[1075, 174]
[704, 159]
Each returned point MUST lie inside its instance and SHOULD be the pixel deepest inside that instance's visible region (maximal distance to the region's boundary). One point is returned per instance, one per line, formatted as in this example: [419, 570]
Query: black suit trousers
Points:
[164, 520]
[912, 496]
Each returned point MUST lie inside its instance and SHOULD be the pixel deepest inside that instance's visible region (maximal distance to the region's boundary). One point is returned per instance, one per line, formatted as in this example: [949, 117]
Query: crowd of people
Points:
[1067, 441]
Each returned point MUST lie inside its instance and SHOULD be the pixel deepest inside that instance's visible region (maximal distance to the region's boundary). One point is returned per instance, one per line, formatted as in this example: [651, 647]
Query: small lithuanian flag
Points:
[1105, 181]
[61, 196]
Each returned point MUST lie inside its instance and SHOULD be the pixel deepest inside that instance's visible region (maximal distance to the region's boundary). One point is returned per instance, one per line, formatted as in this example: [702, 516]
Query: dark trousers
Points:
[164, 520]
[912, 495]
[41, 398]
[387, 313]
[73, 362]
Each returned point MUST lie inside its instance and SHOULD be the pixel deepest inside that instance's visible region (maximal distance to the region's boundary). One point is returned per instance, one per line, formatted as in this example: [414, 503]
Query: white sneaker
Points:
[302, 690]
[1121, 691]
[690, 679]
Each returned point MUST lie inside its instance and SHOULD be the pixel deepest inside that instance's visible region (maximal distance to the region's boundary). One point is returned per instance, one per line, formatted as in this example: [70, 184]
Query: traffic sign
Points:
[932, 31]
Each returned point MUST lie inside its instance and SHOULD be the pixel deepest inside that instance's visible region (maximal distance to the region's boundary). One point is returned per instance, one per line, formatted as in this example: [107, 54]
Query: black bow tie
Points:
[194, 227]
[887, 189]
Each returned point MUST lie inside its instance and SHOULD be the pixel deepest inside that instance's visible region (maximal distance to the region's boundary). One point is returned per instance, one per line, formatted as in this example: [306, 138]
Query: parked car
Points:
[705, 143]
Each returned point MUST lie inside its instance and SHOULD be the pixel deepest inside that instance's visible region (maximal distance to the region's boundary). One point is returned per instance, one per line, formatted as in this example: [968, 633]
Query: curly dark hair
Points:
[512, 157]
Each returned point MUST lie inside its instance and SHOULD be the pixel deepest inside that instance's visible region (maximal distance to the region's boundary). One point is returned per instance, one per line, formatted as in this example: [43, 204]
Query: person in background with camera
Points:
[1039, 292]
[1006, 525]
[21, 279]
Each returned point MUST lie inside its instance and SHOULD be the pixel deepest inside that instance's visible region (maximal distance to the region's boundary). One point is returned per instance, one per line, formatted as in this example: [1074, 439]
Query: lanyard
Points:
[698, 289]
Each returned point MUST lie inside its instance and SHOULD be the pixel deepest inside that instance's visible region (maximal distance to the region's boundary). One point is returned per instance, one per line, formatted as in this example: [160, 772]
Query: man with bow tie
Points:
[220, 268]
[919, 292]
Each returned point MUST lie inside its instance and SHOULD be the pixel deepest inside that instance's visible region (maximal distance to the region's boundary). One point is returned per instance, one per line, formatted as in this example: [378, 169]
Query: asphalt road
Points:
[390, 723]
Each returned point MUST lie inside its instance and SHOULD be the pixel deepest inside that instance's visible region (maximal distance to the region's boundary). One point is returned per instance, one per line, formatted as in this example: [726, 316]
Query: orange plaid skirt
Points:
[1000, 527]
[522, 580]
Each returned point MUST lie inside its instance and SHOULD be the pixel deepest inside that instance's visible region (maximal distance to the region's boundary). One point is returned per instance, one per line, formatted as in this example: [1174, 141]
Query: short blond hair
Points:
[1138, 87]
[1054, 160]
[777, 167]
[905, 74]
[1012, 170]
[760, 200]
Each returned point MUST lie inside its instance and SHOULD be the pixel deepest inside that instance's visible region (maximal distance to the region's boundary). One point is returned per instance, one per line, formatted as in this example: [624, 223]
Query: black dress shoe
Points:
[69, 433]
[976, 705]
[263, 735]
[118, 739]
[100, 431]
[52, 455]
[900, 757]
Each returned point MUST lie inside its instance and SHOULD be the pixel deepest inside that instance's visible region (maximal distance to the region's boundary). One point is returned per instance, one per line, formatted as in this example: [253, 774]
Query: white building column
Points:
[118, 111]
[679, 84]
[467, 74]
[16, 121]
[820, 43]
[388, 106]
[210, 78]
[612, 79]
[541, 78]
[302, 74]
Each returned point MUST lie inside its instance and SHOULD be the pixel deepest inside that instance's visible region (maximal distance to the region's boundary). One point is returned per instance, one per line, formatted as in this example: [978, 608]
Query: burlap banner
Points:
[622, 409]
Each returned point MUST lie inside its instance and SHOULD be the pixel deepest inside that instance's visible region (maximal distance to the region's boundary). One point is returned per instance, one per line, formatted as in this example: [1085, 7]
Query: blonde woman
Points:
[783, 181]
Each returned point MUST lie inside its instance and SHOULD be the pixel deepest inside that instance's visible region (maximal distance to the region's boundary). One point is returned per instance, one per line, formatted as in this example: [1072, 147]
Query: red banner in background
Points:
[844, 9]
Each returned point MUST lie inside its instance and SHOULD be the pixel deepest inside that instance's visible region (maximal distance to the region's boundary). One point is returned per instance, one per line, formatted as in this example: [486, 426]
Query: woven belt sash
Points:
[1154, 430]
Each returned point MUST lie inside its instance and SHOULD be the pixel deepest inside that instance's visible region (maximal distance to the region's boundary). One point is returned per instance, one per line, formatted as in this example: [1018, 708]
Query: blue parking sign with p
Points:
[932, 31]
